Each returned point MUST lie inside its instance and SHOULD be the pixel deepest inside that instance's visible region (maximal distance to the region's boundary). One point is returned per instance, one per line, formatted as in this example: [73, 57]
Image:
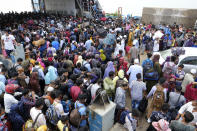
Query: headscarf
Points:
[161, 125]
[121, 74]
[110, 67]
[102, 55]
[51, 75]
[80, 60]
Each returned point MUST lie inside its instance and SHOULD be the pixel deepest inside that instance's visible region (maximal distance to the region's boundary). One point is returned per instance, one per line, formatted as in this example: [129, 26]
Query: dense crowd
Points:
[59, 64]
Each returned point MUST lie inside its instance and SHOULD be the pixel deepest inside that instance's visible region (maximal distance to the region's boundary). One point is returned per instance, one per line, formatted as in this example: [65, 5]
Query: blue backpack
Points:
[52, 115]
[123, 115]
[15, 118]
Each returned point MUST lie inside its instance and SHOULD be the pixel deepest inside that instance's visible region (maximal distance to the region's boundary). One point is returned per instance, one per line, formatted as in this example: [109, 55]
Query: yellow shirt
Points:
[60, 126]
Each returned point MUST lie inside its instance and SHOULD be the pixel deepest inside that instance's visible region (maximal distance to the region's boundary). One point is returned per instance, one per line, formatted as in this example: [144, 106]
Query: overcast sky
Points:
[129, 6]
[135, 6]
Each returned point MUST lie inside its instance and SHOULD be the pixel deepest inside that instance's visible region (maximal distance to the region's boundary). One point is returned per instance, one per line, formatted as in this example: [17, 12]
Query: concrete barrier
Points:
[156, 16]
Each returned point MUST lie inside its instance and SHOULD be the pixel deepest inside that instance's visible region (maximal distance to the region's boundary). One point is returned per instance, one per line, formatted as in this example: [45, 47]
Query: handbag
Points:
[30, 125]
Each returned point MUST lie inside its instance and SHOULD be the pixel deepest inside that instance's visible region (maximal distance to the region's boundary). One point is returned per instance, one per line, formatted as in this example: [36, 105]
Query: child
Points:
[129, 119]
[63, 123]
[66, 103]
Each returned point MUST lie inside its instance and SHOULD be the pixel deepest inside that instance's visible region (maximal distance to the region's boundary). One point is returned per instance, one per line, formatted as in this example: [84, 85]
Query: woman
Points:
[34, 83]
[157, 68]
[80, 60]
[110, 67]
[51, 74]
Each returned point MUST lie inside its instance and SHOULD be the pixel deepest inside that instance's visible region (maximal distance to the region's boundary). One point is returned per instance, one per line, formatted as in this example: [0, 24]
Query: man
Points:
[120, 98]
[69, 64]
[80, 105]
[86, 63]
[176, 99]
[148, 63]
[189, 78]
[180, 74]
[37, 68]
[137, 89]
[133, 53]
[156, 45]
[134, 70]
[9, 98]
[8, 42]
[136, 42]
[131, 120]
[184, 124]
[55, 44]
[36, 111]
[2, 75]
[51, 50]
[18, 64]
[57, 103]
[88, 44]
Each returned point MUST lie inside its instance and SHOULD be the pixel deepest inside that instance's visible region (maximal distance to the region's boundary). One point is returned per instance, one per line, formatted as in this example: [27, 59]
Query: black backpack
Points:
[143, 105]
[120, 82]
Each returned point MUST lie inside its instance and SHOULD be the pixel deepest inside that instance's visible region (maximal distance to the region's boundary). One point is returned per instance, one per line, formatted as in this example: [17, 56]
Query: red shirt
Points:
[74, 92]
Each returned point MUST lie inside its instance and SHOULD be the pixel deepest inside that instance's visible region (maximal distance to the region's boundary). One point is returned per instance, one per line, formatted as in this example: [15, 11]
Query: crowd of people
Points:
[59, 64]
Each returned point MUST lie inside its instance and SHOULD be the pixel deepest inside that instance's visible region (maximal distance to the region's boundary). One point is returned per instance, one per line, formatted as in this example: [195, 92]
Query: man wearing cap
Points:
[134, 70]
[188, 79]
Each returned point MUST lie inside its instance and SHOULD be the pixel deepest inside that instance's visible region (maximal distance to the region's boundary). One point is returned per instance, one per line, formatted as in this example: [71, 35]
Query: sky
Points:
[133, 7]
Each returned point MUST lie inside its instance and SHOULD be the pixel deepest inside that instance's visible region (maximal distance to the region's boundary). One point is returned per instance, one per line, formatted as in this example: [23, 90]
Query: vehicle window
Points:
[192, 60]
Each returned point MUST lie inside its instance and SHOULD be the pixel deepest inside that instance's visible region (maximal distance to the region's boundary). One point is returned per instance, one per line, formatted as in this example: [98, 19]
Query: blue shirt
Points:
[56, 45]
[88, 44]
[2, 78]
[82, 112]
[2, 87]
[87, 65]
[66, 105]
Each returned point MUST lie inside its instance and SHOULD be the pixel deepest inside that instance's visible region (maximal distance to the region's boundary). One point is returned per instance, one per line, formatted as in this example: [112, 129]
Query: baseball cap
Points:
[136, 61]
[193, 71]
[50, 89]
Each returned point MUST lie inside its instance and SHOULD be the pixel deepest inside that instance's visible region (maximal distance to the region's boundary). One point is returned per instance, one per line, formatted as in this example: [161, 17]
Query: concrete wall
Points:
[64, 6]
[187, 17]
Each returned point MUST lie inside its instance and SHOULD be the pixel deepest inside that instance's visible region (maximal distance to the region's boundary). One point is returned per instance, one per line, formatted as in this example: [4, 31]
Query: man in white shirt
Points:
[9, 99]
[131, 122]
[8, 42]
[156, 45]
[37, 110]
[134, 70]
[57, 104]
